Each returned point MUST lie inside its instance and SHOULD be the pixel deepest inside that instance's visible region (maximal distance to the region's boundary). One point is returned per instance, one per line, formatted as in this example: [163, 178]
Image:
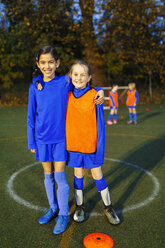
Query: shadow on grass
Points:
[145, 116]
[141, 116]
[147, 156]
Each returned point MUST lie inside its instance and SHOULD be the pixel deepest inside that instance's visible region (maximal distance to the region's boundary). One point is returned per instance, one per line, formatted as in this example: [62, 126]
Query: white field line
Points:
[13, 194]
[154, 193]
[18, 199]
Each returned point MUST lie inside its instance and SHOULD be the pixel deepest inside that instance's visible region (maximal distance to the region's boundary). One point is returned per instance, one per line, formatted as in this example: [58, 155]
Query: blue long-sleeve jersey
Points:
[137, 97]
[47, 111]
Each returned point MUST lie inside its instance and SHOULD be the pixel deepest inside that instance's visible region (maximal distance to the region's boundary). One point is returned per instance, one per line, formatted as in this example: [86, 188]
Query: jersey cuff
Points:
[31, 146]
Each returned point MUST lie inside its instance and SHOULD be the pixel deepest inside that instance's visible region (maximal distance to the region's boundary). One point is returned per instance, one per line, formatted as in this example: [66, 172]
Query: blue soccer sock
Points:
[62, 193]
[130, 116]
[109, 117]
[135, 117]
[50, 190]
[115, 117]
[78, 183]
[104, 192]
[100, 184]
[78, 190]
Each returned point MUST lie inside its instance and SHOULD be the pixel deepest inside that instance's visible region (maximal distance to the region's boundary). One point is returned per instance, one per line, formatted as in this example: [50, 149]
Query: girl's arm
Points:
[31, 118]
[100, 135]
[137, 97]
[127, 98]
[99, 97]
[70, 85]
[38, 81]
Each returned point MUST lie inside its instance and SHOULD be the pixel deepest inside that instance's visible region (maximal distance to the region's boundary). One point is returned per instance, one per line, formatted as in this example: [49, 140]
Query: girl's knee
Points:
[79, 172]
[97, 173]
[47, 166]
[59, 166]
[112, 111]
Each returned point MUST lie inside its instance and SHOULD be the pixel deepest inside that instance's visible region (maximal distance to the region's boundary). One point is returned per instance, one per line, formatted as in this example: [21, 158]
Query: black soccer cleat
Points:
[79, 214]
[111, 215]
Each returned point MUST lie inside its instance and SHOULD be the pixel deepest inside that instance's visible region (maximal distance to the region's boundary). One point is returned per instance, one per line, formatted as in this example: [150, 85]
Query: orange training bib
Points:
[131, 98]
[81, 123]
[115, 99]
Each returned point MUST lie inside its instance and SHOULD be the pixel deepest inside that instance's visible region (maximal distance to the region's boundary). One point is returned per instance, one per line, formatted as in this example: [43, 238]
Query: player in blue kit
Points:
[46, 133]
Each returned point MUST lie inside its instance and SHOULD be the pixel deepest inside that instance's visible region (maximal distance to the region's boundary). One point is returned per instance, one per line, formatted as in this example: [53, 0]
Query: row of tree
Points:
[121, 40]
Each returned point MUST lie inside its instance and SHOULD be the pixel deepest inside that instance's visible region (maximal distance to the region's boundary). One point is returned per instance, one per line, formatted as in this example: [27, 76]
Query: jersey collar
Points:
[79, 92]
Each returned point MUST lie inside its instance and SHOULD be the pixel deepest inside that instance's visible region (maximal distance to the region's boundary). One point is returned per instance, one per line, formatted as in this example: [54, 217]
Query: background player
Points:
[131, 102]
[113, 104]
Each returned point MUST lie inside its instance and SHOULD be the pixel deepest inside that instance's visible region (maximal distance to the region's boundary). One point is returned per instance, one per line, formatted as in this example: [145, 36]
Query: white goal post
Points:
[107, 89]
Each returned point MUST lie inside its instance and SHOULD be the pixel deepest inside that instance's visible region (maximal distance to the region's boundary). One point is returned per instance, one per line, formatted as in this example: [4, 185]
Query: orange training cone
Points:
[98, 240]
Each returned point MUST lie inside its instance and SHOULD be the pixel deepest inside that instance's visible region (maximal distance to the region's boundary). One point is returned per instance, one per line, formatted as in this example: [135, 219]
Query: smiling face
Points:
[48, 65]
[79, 75]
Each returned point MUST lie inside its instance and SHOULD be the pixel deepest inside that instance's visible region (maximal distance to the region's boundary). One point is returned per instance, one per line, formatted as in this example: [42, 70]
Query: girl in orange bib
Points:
[113, 104]
[85, 138]
[131, 102]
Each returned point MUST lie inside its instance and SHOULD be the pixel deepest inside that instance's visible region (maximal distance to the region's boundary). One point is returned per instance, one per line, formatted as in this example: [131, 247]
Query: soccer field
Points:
[134, 169]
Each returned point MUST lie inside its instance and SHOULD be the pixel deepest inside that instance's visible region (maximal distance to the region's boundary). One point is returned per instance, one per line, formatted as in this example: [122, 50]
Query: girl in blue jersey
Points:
[46, 133]
[85, 135]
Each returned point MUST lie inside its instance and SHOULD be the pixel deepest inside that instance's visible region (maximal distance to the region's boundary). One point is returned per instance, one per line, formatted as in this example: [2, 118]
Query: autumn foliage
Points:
[123, 41]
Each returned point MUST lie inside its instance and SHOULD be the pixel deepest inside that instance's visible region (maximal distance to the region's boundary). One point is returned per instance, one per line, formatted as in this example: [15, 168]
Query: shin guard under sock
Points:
[50, 190]
[62, 193]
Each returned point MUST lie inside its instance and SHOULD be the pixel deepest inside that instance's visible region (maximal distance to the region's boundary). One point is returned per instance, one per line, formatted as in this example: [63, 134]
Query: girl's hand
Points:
[99, 97]
[39, 86]
[33, 150]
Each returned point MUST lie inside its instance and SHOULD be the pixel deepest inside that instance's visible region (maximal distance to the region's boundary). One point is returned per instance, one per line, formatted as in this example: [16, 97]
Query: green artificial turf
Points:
[142, 145]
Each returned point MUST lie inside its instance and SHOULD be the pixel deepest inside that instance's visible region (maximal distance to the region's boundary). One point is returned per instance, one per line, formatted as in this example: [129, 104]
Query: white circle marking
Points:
[18, 199]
